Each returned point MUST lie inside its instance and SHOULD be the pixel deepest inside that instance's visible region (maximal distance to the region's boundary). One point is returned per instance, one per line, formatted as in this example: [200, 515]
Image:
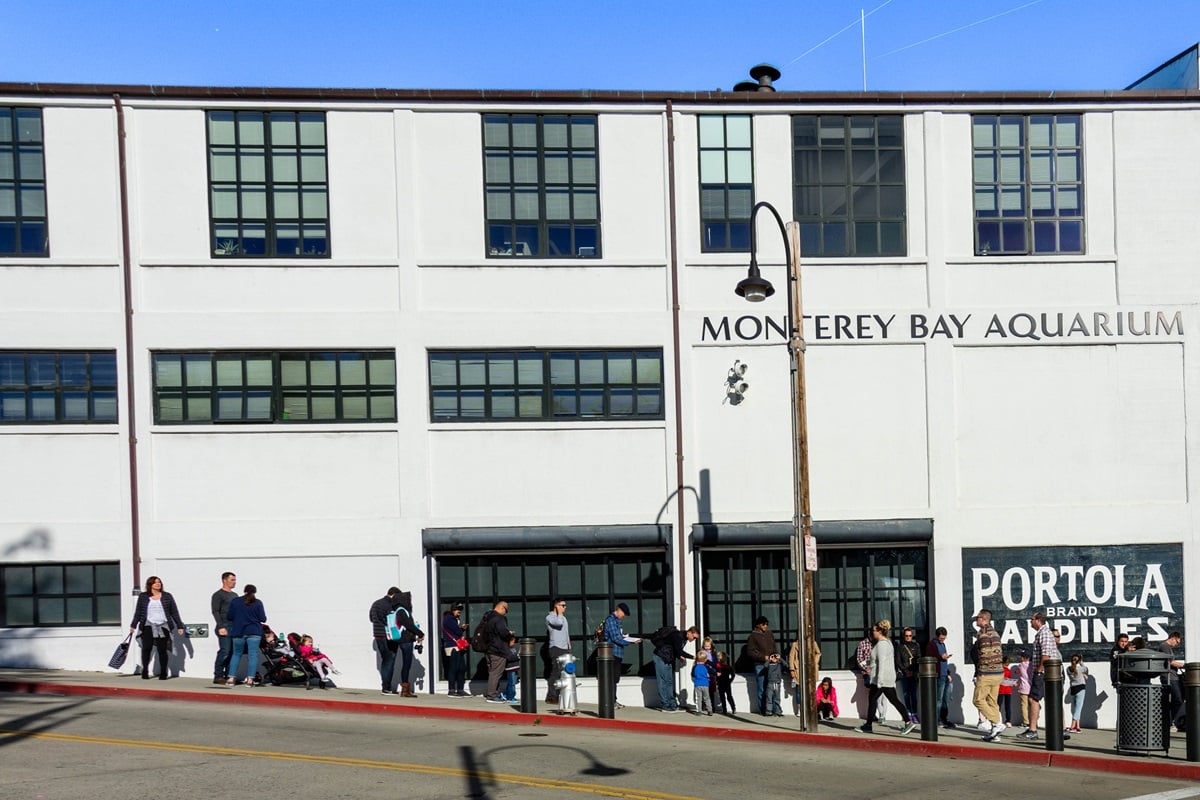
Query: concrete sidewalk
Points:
[1089, 750]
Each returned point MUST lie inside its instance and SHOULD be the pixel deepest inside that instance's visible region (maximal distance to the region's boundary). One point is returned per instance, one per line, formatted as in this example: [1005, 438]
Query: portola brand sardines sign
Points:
[1090, 594]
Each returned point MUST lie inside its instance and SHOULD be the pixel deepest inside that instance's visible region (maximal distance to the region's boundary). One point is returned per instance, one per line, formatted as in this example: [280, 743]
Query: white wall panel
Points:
[632, 187]
[82, 198]
[56, 477]
[169, 184]
[274, 476]
[362, 184]
[546, 477]
[1059, 426]
[447, 156]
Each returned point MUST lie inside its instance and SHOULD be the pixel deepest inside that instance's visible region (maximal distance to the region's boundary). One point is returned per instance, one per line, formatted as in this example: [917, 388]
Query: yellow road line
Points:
[423, 769]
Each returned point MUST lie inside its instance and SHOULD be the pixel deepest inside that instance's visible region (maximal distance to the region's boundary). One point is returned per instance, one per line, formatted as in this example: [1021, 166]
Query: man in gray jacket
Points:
[220, 605]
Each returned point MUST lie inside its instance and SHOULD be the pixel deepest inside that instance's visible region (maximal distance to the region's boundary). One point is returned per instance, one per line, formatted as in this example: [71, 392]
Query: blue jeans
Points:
[247, 645]
[406, 657]
[909, 687]
[943, 698]
[387, 661]
[1077, 705]
[666, 682]
[760, 682]
[224, 651]
[510, 687]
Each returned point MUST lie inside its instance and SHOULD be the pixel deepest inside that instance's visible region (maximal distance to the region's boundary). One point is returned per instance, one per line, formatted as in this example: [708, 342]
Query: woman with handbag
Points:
[455, 645]
[153, 618]
[246, 616]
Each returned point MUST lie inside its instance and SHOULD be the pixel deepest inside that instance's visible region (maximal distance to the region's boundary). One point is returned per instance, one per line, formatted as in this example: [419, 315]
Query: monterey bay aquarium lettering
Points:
[1090, 594]
[1033, 326]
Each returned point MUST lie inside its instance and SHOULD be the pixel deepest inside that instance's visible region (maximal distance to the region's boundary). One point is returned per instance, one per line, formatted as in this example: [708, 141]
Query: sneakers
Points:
[495, 700]
[386, 691]
[1027, 735]
[672, 710]
[908, 728]
[984, 727]
[948, 725]
[219, 681]
[994, 734]
[865, 728]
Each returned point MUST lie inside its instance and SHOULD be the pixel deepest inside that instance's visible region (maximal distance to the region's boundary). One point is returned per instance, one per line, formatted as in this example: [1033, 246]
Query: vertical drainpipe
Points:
[130, 396]
[681, 567]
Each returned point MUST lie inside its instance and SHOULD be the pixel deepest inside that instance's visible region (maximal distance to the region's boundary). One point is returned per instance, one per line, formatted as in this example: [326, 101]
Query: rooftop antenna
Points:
[863, 16]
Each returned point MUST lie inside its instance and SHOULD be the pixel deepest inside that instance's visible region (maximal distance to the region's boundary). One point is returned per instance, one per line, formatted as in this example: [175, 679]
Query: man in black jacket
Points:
[497, 634]
[668, 651]
[386, 648]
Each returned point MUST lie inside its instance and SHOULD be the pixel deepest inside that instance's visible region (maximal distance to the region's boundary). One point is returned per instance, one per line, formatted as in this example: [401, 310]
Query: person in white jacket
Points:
[882, 677]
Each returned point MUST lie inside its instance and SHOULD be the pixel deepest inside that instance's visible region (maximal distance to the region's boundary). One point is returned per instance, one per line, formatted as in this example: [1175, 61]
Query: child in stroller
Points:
[281, 663]
[318, 660]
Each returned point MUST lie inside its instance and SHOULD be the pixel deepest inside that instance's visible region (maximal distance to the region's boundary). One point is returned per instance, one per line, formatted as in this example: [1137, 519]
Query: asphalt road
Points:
[63, 748]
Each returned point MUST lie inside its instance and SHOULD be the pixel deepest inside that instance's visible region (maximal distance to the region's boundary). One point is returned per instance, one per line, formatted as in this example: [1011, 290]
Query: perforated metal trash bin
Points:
[1142, 707]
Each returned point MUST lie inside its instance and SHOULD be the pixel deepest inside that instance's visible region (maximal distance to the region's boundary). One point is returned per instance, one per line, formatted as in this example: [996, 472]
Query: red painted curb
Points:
[894, 745]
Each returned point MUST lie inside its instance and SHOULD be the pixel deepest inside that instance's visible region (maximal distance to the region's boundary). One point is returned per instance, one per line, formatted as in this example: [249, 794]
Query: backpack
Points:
[479, 639]
[662, 635]
[392, 628]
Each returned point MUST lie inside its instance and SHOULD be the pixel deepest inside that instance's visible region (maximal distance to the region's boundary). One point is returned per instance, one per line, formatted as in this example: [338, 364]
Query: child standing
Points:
[772, 685]
[724, 686]
[1021, 674]
[700, 681]
[1005, 695]
[511, 670]
[320, 662]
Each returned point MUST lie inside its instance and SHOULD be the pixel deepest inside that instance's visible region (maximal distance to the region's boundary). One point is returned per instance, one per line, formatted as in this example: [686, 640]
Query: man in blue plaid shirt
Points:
[615, 635]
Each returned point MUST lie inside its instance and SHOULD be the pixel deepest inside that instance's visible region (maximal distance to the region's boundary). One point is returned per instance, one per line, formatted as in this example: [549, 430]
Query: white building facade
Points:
[478, 345]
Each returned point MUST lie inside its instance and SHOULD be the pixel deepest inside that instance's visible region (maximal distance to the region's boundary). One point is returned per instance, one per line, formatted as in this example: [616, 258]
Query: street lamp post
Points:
[755, 288]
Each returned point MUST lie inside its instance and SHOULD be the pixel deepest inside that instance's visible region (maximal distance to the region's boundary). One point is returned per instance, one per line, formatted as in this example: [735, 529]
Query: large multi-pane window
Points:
[57, 595]
[1028, 184]
[545, 384]
[274, 386]
[269, 190]
[58, 386]
[726, 182]
[592, 584]
[541, 185]
[849, 184]
[22, 183]
[854, 588]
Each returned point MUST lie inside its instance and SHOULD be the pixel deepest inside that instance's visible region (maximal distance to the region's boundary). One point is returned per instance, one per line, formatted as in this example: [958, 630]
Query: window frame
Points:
[507, 185]
[23, 188]
[40, 601]
[222, 393]
[59, 392]
[735, 228]
[829, 176]
[1030, 157]
[554, 397]
[274, 188]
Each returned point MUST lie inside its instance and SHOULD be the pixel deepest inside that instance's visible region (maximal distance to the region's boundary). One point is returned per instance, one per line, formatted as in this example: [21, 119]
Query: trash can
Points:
[1142, 706]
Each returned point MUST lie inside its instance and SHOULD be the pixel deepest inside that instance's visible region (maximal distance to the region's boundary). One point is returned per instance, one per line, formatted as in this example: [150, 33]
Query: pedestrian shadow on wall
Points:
[37, 539]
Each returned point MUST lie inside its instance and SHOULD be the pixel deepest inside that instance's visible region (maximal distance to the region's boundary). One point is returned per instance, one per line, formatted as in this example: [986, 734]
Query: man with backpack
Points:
[668, 643]
[386, 647]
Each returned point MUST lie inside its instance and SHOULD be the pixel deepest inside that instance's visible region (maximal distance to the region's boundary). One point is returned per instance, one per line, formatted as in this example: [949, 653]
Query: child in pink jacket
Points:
[826, 699]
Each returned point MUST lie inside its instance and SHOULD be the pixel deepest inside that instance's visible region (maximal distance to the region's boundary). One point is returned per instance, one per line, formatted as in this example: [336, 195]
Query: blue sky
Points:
[911, 45]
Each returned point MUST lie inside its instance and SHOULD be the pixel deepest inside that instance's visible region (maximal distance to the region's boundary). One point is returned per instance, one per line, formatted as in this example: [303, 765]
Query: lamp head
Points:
[754, 287]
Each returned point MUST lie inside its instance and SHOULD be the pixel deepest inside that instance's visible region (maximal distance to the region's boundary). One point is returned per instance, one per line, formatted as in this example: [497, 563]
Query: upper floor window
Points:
[22, 184]
[64, 387]
[288, 386]
[545, 384]
[269, 191]
[541, 185]
[1028, 184]
[58, 595]
[726, 182]
[849, 184]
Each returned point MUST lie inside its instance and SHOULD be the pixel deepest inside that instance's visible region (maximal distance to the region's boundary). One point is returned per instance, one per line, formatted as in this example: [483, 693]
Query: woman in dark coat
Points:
[246, 616]
[153, 618]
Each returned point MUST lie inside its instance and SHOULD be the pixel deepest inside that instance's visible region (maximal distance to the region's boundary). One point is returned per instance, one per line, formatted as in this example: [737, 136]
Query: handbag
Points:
[461, 643]
[121, 653]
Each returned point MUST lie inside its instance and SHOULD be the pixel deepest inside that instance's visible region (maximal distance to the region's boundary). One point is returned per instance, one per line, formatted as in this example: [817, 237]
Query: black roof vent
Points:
[764, 75]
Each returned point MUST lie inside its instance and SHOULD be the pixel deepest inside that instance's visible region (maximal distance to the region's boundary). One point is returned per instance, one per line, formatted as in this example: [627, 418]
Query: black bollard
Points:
[1053, 704]
[1191, 702]
[606, 678]
[927, 671]
[528, 648]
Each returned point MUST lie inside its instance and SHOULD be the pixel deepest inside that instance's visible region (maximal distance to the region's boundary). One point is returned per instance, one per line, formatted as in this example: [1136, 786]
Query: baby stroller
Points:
[280, 664]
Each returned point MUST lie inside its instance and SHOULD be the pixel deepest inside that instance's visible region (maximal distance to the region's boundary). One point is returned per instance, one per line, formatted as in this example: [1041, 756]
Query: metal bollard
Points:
[927, 672]
[1191, 699]
[606, 677]
[528, 648]
[1053, 704]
